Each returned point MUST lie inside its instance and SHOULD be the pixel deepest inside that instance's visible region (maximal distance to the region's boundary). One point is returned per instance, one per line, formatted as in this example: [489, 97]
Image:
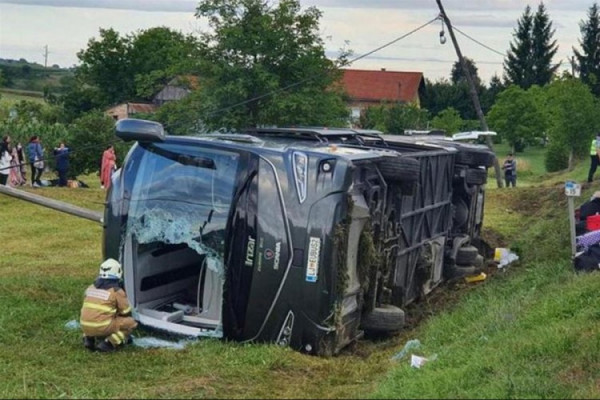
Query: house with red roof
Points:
[368, 88]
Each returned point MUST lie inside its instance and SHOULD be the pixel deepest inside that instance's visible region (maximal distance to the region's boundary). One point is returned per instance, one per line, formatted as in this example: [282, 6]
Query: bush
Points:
[91, 134]
[557, 158]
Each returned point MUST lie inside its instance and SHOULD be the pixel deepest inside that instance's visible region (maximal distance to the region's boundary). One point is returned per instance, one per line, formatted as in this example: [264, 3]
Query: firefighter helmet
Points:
[111, 269]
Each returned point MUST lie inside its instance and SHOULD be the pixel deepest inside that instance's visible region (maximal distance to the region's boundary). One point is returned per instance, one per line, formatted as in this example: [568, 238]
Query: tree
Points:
[517, 117]
[442, 94]
[574, 118]
[544, 47]
[159, 54]
[266, 64]
[488, 94]
[588, 60]
[135, 66]
[448, 120]
[394, 118]
[105, 64]
[530, 55]
[457, 76]
[90, 135]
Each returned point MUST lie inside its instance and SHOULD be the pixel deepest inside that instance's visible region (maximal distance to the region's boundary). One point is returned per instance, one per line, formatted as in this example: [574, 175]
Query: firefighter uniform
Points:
[104, 314]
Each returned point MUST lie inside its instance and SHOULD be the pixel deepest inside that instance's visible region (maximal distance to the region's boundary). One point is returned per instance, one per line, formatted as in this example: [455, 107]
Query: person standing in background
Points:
[594, 157]
[22, 162]
[16, 177]
[5, 159]
[36, 160]
[109, 164]
[61, 154]
[510, 171]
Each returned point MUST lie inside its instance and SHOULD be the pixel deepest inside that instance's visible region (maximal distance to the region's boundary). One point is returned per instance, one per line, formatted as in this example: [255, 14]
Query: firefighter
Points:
[105, 315]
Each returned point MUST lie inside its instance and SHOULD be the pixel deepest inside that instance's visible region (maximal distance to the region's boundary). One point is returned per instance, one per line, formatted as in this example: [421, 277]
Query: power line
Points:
[392, 42]
[477, 41]
[491, 49]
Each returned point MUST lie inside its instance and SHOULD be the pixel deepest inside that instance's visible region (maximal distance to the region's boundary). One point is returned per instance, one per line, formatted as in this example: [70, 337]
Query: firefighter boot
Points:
[106, 347]
[89, 343]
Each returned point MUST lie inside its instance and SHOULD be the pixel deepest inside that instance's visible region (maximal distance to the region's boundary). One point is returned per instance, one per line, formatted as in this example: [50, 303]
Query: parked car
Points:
[305, 237]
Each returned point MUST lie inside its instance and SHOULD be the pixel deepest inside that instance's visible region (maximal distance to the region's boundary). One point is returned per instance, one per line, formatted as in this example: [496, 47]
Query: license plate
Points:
[312, 266]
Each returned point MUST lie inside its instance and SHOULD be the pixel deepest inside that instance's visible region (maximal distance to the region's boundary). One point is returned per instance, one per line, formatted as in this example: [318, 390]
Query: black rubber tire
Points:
[400, 169]
[476, 176]
[475, 158]
[466, 255]
[386, 318]
[460, 214]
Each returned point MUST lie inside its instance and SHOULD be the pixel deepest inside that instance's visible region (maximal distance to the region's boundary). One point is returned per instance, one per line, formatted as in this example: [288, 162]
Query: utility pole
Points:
[45, 56]
[472, 90]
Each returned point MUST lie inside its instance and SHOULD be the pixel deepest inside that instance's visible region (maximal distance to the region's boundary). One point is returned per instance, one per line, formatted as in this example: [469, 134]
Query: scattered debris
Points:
[412, 344]
[475, 278]
[152, 342]
[417, 361]
[72, 325]
[504, 256]
[143, 342]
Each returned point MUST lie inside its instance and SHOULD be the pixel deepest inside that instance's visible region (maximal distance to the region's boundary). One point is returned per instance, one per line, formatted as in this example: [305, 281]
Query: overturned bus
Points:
[305, 237]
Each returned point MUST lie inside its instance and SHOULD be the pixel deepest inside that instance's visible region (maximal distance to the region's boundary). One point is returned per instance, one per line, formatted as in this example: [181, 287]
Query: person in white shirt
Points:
[5, 158]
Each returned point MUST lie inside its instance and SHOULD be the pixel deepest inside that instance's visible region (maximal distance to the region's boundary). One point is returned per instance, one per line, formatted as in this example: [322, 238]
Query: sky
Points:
[65, 26]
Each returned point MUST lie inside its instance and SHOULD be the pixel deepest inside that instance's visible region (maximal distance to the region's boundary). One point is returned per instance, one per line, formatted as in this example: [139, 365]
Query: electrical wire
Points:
[477, 41]
[488, 47]
[285, 88]
[282, 89]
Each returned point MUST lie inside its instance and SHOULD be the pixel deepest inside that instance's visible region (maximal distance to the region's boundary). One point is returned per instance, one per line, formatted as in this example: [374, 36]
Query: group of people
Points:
[13, 161]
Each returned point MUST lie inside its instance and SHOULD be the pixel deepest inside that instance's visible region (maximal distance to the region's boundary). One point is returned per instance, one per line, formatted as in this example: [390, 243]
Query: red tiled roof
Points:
[382, 85]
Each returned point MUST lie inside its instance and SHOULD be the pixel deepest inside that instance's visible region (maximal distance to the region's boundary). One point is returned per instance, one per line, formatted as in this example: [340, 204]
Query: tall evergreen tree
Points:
[529, 59]
[588, 60]
[544, 47]
[517, 66]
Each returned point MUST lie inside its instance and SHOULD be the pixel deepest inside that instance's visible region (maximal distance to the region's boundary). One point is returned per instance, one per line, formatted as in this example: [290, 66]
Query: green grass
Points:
[8, 96]
[532, 331]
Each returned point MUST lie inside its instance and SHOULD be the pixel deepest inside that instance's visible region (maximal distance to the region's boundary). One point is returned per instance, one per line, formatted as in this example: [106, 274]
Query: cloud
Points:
[187, 6]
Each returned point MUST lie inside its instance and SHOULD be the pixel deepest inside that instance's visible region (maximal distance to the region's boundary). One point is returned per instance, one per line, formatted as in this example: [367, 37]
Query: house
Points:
[176, 89]
[127, 110]
[368, 88]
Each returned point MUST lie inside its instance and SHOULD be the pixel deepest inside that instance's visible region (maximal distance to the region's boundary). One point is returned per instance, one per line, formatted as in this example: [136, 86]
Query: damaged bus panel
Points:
[302, 237]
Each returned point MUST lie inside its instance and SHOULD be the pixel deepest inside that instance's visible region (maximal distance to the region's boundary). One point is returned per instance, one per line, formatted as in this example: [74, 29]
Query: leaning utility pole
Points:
[472, 89]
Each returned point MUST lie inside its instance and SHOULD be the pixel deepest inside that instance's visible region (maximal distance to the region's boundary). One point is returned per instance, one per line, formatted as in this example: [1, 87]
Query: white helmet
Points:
[111, 269]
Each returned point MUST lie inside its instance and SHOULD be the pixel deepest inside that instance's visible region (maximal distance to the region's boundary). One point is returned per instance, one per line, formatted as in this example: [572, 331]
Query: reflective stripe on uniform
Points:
[99, 307]
[98, 293]
[121, 335]
[593, 149]
[95, 324]
[126, 311]
[116, 338]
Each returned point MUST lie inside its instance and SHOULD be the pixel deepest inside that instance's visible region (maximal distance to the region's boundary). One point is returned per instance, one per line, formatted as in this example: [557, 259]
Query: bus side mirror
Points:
[140, 130]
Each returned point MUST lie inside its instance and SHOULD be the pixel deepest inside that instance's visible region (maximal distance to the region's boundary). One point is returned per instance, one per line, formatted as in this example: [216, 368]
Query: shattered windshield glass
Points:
[182, 194]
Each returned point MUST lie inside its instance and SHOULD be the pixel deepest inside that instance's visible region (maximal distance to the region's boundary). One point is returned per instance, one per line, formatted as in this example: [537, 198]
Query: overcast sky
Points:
[65, 26]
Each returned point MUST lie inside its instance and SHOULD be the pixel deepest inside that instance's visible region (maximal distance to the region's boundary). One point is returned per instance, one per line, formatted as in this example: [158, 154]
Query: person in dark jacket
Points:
[35, 154]
[61, 154]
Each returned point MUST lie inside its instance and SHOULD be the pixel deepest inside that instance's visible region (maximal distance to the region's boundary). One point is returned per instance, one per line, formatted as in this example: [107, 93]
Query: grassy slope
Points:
[528, 332]
[10, 97]
[49, 258]
[531, 331]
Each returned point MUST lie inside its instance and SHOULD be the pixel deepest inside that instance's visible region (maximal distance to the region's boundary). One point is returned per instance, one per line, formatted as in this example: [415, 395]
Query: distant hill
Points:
[24, 75]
